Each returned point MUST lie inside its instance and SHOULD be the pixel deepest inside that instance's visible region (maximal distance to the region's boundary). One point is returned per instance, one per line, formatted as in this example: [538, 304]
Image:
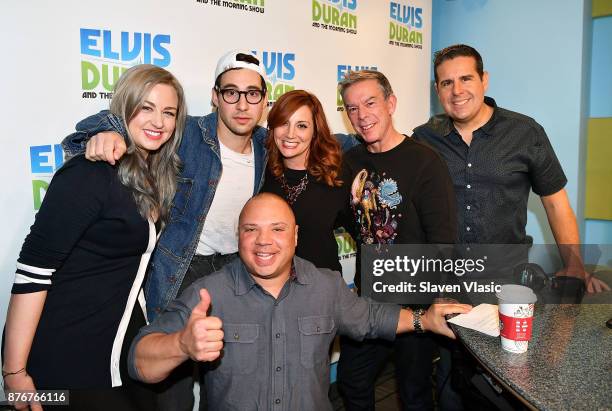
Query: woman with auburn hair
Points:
[304, 167]
[77, 300]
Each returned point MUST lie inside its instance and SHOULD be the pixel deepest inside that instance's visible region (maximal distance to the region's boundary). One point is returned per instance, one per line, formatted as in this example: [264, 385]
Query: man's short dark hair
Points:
[248, 58]
[457, 50]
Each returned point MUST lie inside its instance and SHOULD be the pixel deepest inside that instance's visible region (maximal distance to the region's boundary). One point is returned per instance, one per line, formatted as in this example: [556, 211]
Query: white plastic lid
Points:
[516, 294]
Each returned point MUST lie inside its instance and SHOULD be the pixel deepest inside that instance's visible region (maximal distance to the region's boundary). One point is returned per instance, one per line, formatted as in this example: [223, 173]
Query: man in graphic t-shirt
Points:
[401, 193]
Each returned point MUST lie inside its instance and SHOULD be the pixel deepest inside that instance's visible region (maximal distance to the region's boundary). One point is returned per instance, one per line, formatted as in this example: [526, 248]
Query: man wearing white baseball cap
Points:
[223, 159]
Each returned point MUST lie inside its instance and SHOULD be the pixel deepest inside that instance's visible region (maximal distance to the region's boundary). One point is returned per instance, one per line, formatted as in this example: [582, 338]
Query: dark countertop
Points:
[568, 365]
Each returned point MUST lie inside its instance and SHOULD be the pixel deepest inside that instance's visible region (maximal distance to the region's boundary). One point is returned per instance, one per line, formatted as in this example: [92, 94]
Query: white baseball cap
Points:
[239, 59]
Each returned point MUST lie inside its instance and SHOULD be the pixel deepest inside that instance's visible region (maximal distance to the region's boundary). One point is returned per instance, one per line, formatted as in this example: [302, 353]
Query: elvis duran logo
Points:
[105, 55]
[280, 72]
[335, 15]
[255, 6]
[44, 161]
[347, 249]
[406, 25]
[340, 73]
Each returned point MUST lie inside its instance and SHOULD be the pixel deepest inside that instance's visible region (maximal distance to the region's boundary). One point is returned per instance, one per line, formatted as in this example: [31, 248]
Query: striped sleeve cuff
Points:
[30, 279]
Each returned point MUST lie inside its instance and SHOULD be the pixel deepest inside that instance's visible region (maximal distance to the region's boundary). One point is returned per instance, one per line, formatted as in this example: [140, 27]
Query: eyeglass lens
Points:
[231, 96]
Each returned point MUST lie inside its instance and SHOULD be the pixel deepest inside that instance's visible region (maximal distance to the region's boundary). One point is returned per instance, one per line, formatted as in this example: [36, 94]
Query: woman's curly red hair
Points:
[324, 157]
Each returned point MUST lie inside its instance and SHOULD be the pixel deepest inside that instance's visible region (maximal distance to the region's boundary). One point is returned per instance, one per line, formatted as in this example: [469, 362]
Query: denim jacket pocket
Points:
[181, 198]
[316, 335]
[240, 348]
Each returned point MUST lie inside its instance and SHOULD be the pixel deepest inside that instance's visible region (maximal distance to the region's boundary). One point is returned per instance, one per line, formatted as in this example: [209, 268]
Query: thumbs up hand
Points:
[202, 337]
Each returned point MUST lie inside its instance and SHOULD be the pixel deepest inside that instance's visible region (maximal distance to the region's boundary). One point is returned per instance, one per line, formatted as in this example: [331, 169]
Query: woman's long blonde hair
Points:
[151, 179]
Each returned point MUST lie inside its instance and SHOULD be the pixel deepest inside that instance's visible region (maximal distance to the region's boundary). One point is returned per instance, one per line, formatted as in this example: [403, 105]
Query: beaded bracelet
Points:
[6, 374]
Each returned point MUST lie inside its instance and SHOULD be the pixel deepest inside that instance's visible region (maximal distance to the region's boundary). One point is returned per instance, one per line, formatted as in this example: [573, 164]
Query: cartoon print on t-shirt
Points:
[373, 200]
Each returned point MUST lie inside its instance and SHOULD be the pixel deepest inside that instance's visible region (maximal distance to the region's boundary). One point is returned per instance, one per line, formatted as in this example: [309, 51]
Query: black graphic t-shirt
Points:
[401, 196]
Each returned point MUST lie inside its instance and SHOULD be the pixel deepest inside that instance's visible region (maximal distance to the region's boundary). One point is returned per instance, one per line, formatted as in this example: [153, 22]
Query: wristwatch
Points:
[416, 320]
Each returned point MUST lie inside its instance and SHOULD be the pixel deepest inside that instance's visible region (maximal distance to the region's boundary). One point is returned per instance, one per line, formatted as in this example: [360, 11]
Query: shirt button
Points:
[468, 207]
[277, 401]
[277, 335]
[278, 369]
[469, 186]
[469, 164]
[467, 228]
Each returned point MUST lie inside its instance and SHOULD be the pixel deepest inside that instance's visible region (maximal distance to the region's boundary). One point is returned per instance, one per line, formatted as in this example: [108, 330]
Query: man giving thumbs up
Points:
[280, 314]
[201, 340]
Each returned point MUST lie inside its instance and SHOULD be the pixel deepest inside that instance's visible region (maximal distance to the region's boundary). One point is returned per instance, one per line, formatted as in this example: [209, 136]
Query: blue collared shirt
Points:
[276, 350]
[492, 176]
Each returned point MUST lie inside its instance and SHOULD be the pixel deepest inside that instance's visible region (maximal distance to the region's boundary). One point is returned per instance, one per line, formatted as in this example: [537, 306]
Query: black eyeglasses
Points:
[232, 96]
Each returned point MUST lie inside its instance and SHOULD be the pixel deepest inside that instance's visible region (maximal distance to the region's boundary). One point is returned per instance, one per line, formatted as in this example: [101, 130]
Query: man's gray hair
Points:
[353, 77]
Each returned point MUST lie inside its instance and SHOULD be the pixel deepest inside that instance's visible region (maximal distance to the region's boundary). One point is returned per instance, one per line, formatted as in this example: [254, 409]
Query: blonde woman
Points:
[74, 306]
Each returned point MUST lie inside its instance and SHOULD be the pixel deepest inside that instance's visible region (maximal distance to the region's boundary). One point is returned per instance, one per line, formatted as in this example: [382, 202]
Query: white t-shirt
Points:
[220, 232]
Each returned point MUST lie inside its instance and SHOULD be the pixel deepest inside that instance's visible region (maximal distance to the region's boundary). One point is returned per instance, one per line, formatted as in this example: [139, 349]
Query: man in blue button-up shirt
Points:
[495, 158]
[280, 314]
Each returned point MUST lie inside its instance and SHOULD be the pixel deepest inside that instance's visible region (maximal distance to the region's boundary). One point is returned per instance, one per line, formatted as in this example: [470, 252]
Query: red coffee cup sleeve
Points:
[516, 329]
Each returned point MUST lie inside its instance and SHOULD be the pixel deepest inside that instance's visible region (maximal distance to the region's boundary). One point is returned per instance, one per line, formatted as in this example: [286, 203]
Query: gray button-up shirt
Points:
[276, 350]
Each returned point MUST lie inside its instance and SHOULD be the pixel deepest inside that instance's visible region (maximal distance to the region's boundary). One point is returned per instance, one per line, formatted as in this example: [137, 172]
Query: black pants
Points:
[361, 362]
[448, 398]
[176, 391]
[132, 395]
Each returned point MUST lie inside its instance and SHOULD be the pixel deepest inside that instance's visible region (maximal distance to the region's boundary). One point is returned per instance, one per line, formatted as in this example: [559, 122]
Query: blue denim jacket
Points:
[197, 183]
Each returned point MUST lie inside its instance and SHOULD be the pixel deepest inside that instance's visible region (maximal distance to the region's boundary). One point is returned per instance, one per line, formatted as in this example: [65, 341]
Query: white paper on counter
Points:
[483, 318]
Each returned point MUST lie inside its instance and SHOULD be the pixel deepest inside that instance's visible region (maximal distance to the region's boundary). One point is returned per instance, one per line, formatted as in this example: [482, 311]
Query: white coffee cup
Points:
[516, 303]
